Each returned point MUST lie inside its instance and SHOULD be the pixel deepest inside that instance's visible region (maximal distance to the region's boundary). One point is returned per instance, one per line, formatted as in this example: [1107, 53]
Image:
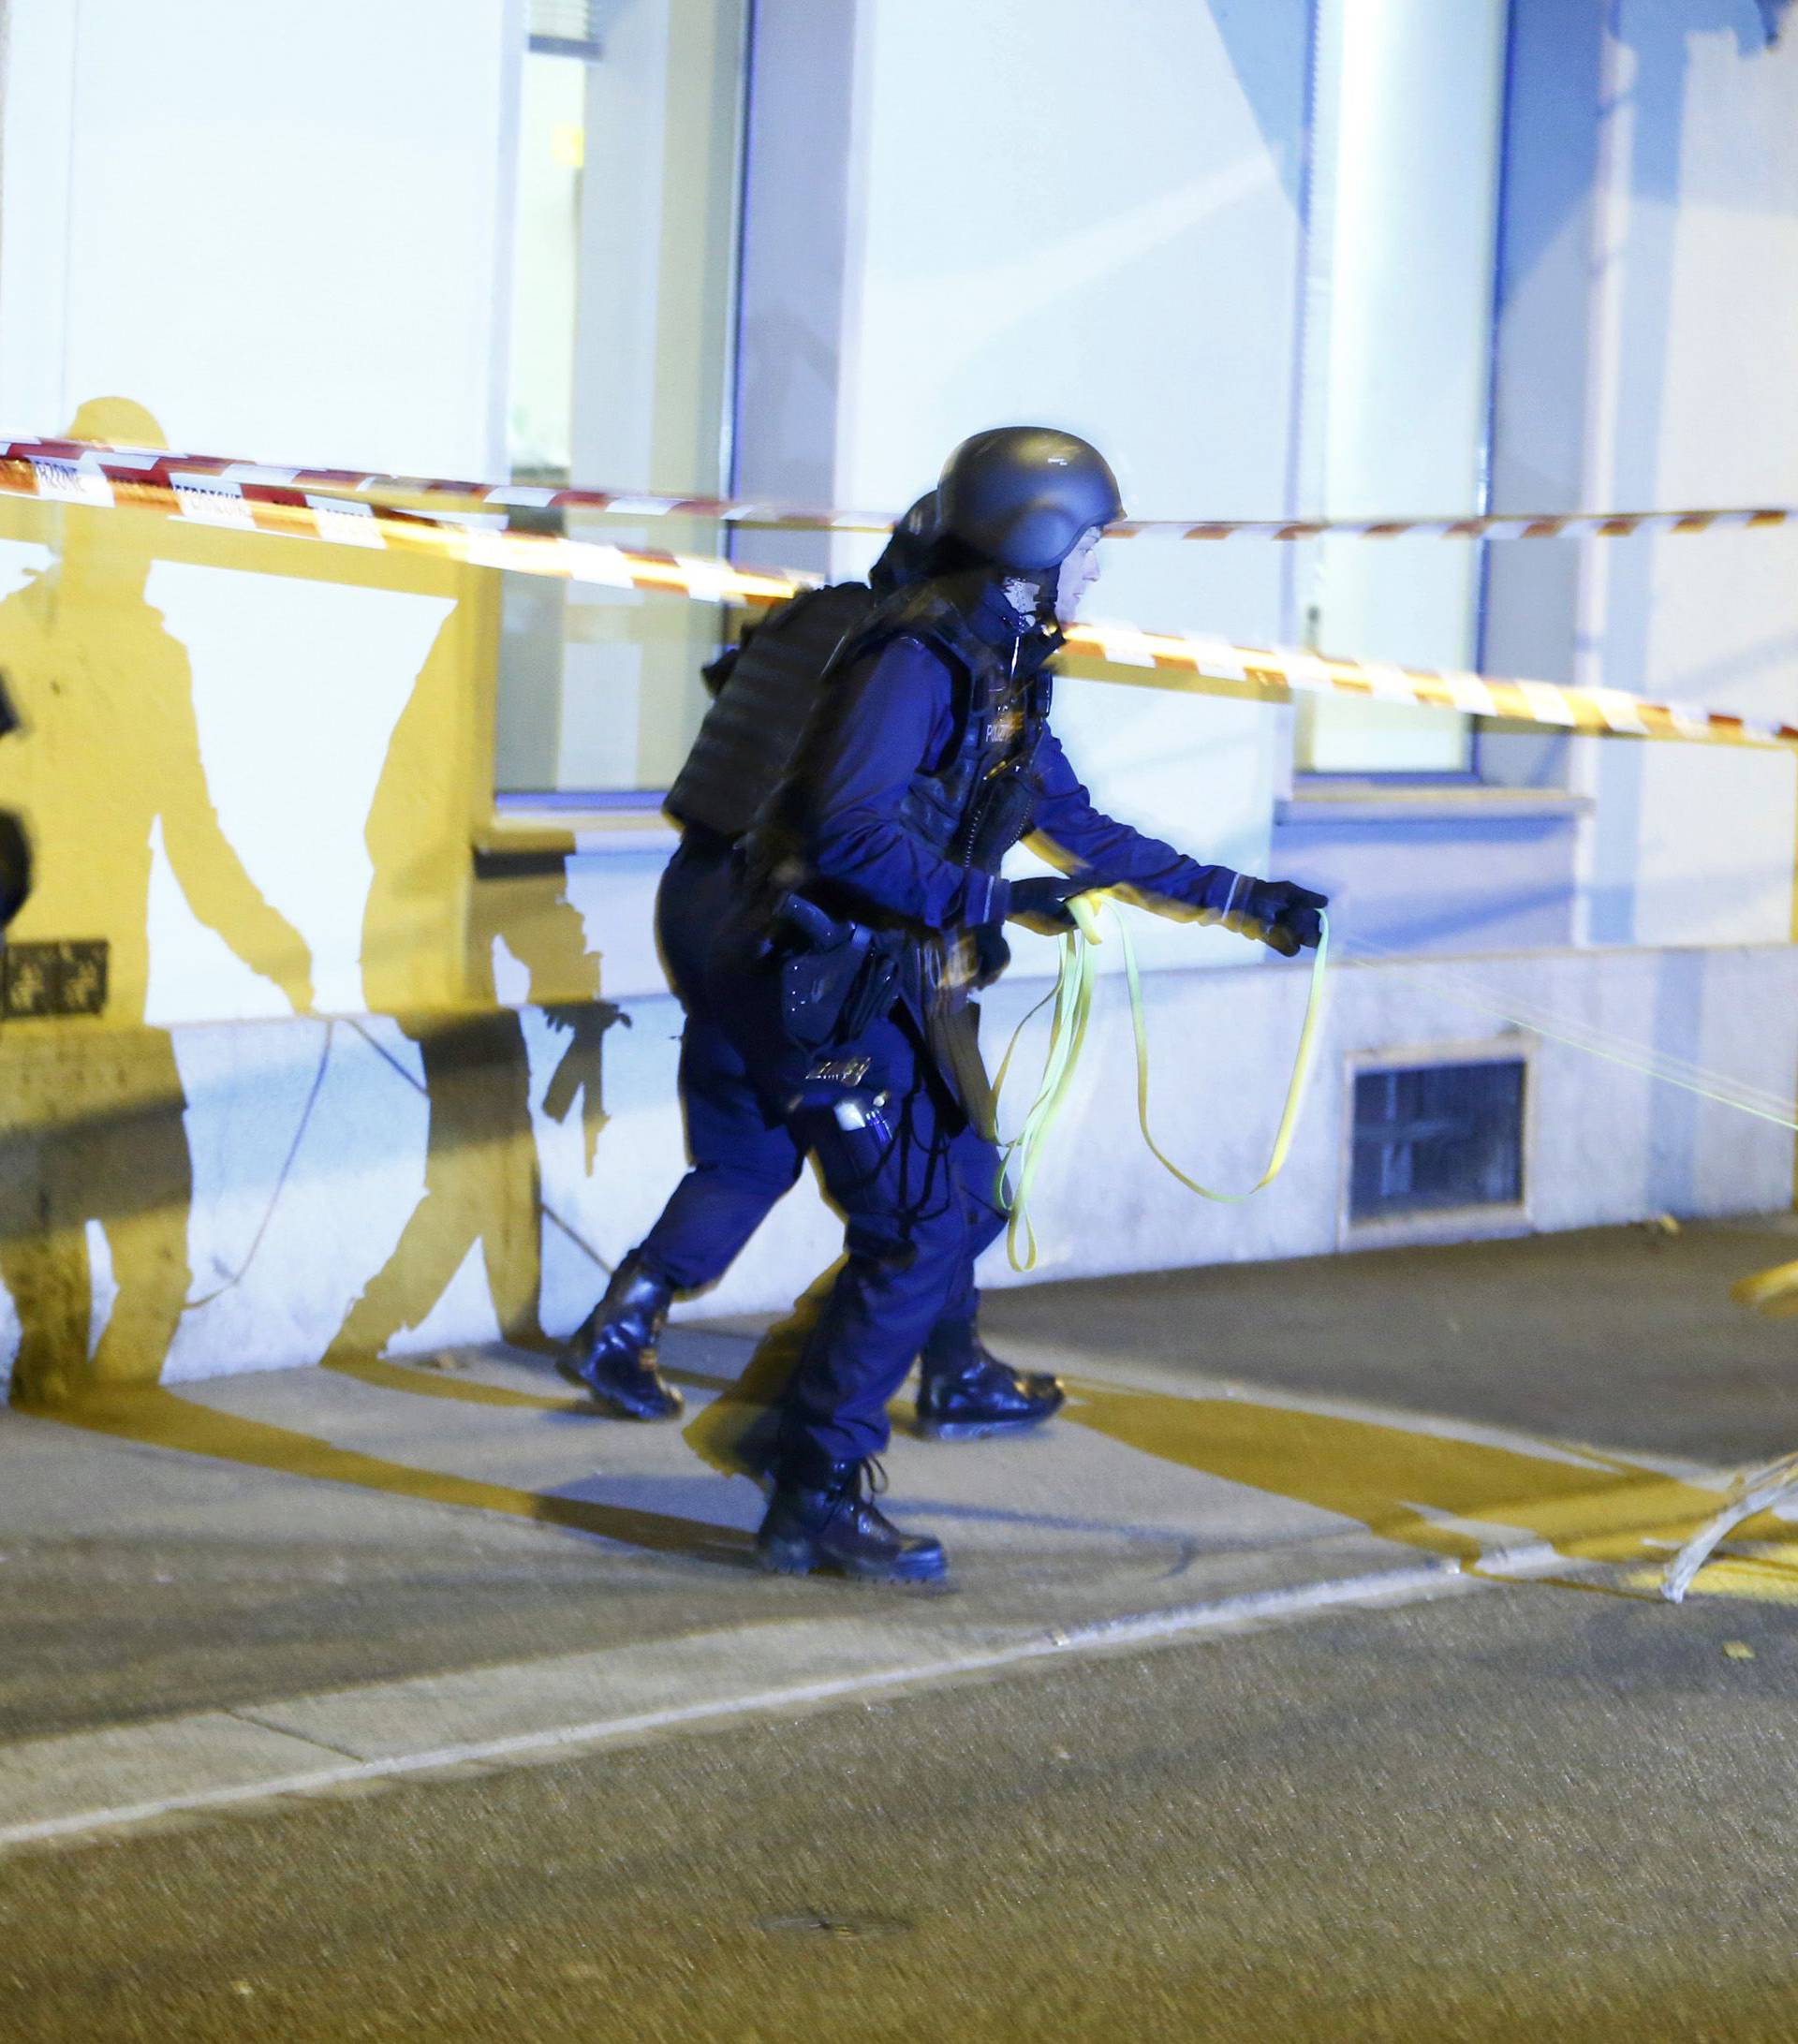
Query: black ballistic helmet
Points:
[910, 553]
[1019, 497]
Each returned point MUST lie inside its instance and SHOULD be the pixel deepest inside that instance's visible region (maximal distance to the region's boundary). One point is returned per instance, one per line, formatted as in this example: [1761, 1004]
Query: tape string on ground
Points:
[1579, 1035]
[1612, 1049]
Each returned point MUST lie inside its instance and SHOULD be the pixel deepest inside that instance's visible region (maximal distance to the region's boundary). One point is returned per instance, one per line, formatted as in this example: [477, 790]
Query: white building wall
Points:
[1692, 403]
[282, 239]
[1409, 109]
[288, 246]
[1121, 261]
[1121, 258]
[1609, 1143]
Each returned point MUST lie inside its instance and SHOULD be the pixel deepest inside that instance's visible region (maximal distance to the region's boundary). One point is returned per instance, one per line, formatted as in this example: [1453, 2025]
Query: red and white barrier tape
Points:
[433, 493]
[199, 498]
[1601, 712]
[293, 512]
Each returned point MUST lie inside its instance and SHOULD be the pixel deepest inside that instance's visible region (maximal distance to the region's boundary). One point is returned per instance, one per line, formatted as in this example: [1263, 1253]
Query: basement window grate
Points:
[566, 28]
[1431, 1138]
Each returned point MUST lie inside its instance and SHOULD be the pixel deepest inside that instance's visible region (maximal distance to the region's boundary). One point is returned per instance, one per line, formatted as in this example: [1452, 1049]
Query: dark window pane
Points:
[1432, 1136]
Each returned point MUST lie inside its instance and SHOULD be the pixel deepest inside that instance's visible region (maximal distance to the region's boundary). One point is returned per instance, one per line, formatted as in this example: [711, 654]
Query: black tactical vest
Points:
[765, 692]
[972, 806]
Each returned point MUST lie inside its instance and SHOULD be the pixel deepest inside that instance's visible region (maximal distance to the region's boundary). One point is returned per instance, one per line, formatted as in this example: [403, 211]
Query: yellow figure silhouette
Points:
[480, 1172]
[107, 748]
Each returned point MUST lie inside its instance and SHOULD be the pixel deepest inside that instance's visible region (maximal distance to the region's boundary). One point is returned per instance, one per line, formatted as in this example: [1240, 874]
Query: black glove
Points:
[992, 954]
[1285, 917]
[1042, 899]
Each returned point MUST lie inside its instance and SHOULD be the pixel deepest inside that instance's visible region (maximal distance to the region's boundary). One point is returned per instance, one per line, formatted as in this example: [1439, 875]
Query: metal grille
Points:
[1432, 1137]
[566, 28]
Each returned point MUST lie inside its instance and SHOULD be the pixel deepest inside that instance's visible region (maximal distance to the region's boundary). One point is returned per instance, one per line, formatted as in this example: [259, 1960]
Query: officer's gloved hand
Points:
[1284, 916]
[992, 954]
[1043, 901]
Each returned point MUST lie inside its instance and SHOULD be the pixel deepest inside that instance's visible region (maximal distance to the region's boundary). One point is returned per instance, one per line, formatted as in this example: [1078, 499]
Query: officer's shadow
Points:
[94, 1125]
[481, 1180]
[94, 1112]
[483, 1184]
[162, 1419]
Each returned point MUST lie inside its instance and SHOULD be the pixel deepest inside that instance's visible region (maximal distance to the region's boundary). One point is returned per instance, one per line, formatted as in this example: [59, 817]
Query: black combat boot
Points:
[612, 1354]
[964, 1393]
[823, 1516]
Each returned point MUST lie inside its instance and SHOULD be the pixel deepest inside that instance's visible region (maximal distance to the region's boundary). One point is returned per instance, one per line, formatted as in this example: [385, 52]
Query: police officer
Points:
[744, 1159]
[843, 946]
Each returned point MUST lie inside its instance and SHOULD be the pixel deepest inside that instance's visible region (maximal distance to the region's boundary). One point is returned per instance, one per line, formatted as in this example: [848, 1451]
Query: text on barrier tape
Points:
[291, 512]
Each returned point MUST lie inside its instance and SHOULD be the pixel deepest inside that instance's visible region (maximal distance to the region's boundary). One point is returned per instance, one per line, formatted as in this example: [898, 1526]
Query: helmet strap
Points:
[1032, 595]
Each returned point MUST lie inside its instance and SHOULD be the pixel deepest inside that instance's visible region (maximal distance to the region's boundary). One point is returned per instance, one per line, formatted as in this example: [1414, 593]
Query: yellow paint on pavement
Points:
[1409, 1484]
[1768, 1576]
[160, 1419]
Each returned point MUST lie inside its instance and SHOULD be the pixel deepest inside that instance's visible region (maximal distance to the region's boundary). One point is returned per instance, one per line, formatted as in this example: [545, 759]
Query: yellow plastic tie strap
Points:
[1020, 1158]
[1303, 1059]
[1073, 998]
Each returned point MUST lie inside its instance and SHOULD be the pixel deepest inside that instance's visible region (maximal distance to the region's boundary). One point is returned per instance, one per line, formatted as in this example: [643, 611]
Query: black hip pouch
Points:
[829, 996]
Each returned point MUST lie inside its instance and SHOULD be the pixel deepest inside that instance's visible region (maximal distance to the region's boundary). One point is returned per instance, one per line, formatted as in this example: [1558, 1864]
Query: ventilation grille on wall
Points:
[1429, 1138]
[566, 28]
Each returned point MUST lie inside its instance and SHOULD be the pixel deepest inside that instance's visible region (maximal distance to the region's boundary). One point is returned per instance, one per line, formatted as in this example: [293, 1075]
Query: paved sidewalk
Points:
[227, 1589]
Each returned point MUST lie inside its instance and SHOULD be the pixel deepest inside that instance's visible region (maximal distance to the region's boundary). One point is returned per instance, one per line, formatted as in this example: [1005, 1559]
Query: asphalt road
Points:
[1538, 1811]
[1543, 1810]
[135, 1583]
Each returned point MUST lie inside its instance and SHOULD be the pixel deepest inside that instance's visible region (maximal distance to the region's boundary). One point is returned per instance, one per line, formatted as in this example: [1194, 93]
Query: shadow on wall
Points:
[481, 1183]
[93, 1110]
[108, 752]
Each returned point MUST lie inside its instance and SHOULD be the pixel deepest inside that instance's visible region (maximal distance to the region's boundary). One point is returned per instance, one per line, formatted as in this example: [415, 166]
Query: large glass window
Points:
[624, 292]
[546, 259]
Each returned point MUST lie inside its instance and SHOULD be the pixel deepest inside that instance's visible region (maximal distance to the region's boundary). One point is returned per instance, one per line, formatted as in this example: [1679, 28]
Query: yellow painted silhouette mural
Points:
[94, 1112]
[481, 1173]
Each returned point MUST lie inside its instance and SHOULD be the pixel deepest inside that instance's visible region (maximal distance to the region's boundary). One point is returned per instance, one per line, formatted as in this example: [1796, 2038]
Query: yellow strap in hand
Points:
[1303, 1059]
[1073, 998]
[1020, 1157]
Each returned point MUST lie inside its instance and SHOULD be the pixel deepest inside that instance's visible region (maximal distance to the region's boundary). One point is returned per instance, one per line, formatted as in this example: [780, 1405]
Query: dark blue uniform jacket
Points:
[899, 716]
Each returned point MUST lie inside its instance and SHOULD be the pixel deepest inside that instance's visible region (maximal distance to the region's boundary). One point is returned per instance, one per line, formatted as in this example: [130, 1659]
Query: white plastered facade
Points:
[1132, 271]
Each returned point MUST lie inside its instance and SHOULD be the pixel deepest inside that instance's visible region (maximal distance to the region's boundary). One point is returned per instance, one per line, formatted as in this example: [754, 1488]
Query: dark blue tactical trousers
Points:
[919, 1208]
[744, 1157]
